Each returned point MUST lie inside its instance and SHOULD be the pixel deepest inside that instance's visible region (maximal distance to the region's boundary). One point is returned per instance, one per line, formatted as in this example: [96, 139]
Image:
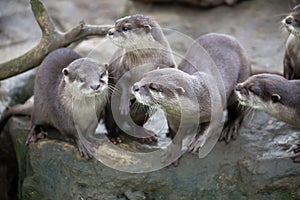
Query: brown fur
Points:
[188, 91]
[64, 80]
[274, 95]
[143, 47]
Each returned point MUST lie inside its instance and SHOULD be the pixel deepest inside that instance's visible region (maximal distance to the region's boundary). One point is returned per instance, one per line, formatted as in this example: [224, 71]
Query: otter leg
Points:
[113, 131]
[288, 70]
[199, 139]
[174, 151]
[125, 96]
[235, 118]
[35, 134]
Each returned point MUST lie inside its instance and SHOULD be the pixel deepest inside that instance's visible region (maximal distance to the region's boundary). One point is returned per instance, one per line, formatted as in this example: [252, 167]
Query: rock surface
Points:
[255, 166]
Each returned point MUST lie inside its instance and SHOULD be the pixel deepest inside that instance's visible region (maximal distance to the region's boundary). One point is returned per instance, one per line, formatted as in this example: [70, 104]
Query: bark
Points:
[51, 39]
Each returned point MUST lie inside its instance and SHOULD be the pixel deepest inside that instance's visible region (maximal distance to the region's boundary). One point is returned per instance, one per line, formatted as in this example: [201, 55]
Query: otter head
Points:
[160, 88]
[263, 92]
[136, 31]
[86, 76]
[292, 21]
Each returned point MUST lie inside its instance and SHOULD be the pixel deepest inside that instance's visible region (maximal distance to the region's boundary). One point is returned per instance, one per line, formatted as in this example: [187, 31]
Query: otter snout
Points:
[288, 20]
[95, 87]
[111, 32]
[239, 88]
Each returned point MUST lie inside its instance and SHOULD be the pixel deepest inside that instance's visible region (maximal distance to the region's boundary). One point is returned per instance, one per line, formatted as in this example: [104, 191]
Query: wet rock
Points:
[54, 169]
[135, 195]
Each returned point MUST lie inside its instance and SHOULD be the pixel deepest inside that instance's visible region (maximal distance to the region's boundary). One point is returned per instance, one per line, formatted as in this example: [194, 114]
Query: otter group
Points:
[144, 76]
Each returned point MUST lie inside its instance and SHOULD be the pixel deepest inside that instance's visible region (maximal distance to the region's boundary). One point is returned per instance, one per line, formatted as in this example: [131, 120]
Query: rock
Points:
[253, 166]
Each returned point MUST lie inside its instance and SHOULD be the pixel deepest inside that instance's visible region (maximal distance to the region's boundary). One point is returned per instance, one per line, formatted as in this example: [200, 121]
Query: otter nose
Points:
[95, 87]
[110, 33]
[241, 89]
[238, 88]
[135, 88]
[289, 20]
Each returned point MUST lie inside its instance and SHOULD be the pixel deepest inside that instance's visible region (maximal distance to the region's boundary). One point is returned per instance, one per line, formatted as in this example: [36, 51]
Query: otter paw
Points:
[116, 139]
[296, 158]
[34, 136]
[197, 143]
[148, 137]
[84, 150]
[230, 131]
[297, 149]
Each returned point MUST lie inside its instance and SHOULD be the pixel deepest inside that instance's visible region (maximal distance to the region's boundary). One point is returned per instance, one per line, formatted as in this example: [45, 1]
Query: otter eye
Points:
[126, 28]
[254, 89]
[155, 88]
[101, 76]
[81, 79]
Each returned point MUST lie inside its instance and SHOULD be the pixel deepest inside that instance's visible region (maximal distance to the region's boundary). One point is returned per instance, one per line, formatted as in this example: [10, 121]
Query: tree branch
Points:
[51, 39]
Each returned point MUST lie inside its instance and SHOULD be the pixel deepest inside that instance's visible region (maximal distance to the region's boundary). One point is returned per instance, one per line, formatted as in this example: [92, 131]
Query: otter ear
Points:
[180, 90]
[275, 98]
[147, 28]
[65, 71]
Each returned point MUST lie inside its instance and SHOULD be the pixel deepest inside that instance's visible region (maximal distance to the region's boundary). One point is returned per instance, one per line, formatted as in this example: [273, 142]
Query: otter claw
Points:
[116, 140]
[197, 143]
[34, 137]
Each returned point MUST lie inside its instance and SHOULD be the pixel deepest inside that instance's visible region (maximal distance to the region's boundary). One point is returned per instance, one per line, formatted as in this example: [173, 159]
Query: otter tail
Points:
[19, 109]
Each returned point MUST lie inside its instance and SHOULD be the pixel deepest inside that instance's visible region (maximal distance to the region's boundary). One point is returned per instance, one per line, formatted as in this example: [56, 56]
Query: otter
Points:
[274, 95]
[291, 61]
[142, 48]
[186, 89]
[70, 93]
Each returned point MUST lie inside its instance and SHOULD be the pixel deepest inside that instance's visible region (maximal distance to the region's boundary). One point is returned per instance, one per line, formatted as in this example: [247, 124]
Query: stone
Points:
[250, 167]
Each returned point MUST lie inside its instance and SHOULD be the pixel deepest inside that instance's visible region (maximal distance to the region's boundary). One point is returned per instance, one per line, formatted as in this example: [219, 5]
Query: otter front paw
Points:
[124, 108]
[147, 136]
[230, 131]
[115, 139]
[296, 157]
[197, 143]
[85, 150]
[36, 134]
